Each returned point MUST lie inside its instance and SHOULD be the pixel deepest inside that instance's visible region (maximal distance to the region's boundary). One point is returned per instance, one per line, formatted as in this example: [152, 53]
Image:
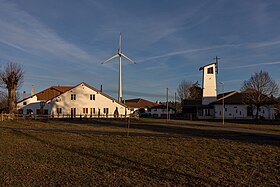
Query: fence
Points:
[5, 117]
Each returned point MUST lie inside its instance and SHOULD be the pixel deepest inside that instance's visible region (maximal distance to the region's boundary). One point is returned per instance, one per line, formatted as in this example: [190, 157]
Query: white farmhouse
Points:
[81, 100]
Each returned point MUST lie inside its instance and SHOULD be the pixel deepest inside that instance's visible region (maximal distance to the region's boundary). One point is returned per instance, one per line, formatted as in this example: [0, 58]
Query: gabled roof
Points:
[201, 68]
[162, 107]
[55, 91]
[102, 93]
[62, 88]
[192, 103]
[140, 103]
[50, 93]
[230, 98]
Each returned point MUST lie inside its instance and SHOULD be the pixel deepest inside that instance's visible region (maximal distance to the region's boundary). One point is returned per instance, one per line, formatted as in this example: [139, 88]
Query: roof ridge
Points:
[228, 95]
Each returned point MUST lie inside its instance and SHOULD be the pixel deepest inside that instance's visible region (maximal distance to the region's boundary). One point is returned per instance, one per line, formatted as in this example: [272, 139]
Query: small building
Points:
[192, 108]
[234, 107]
[81, 100]
[160, 111]
[139, 105]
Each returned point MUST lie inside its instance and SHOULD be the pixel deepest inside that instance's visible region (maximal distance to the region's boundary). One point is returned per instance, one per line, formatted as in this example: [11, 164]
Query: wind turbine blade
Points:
[128, 58]
[111, 58]
[120, 43]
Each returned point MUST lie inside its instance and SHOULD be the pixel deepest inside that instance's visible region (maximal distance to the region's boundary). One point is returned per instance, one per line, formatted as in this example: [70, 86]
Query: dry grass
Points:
[75, 155]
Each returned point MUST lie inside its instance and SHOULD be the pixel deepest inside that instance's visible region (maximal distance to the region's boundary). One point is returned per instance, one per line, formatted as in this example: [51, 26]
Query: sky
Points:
[64, 42]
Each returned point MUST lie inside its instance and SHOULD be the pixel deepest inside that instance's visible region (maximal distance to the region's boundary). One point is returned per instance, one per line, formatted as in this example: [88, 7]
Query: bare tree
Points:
[189, 90]
[11, 78]
[184, 89]
[277, 108]
[3, 101]
[195, 91]
[259, 90]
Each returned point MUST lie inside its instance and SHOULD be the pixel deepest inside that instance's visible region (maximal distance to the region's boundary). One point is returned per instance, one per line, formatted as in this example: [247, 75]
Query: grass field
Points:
[94, 153]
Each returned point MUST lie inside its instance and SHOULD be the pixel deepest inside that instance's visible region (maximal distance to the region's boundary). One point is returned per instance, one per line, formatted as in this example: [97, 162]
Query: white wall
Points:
[27, 101]
[31, 104]
[240, 112]
[209, 85]
[83, 101]
[159, 112]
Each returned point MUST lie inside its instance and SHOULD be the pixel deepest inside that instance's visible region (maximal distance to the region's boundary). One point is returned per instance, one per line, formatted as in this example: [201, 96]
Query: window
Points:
[92, 110]
[85, 110]
[73, 96]
[29, 111]
[249, 111]
[24, 103]
[210, 70]
[225, 109]
[106, 110]
[59, 110]
[92, 97]
[20, 111]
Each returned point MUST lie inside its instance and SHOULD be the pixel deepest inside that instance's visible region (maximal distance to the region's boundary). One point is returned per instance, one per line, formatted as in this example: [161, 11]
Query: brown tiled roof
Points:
[55, 91]
[50, 93]
[139, 103]
[62, 88]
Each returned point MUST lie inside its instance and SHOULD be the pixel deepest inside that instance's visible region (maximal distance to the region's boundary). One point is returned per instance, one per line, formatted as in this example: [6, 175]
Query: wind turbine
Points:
[120, 55]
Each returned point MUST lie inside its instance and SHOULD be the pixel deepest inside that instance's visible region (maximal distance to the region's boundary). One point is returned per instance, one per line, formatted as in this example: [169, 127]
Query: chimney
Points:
[101, 88]
[24, 94]
[32, 90]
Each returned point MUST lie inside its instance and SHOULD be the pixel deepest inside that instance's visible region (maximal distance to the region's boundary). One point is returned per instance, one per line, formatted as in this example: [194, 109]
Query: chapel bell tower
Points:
[209, 85]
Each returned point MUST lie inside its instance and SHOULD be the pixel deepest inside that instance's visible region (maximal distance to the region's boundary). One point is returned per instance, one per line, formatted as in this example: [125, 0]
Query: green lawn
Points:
[52, 153]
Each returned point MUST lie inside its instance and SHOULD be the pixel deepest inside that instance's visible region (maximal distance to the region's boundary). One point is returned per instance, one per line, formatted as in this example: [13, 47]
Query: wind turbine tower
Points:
[120, 55]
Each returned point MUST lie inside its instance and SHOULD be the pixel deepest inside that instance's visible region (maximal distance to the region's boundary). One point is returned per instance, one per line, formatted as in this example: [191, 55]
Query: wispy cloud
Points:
[251, 65]
[175, 53]
[22, 31]
[264, 44]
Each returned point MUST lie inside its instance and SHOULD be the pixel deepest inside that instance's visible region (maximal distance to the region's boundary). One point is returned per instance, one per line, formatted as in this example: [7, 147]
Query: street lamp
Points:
[222, 83]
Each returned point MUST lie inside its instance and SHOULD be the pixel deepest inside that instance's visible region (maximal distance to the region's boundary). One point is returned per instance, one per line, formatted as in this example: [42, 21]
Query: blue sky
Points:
[63, 42]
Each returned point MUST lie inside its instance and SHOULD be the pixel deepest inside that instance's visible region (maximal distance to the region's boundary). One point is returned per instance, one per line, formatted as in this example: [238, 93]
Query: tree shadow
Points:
[212, 132]
[149, 171]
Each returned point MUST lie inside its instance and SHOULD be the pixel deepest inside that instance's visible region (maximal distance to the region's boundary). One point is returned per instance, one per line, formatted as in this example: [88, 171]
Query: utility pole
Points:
[175, 104]
[166, 104]
[216, 62]
[223, 111]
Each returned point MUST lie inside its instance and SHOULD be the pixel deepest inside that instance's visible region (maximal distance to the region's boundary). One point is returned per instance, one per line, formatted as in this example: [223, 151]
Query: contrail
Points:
[251, 65]
[187, 51]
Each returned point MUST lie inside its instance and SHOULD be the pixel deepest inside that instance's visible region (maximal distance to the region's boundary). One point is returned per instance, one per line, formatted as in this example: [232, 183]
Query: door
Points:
[73, 112]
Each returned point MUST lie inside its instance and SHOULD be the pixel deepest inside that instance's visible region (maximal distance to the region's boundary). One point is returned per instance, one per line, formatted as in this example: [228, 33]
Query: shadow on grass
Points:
[244, 135]
[166, 130]
[150, 171]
